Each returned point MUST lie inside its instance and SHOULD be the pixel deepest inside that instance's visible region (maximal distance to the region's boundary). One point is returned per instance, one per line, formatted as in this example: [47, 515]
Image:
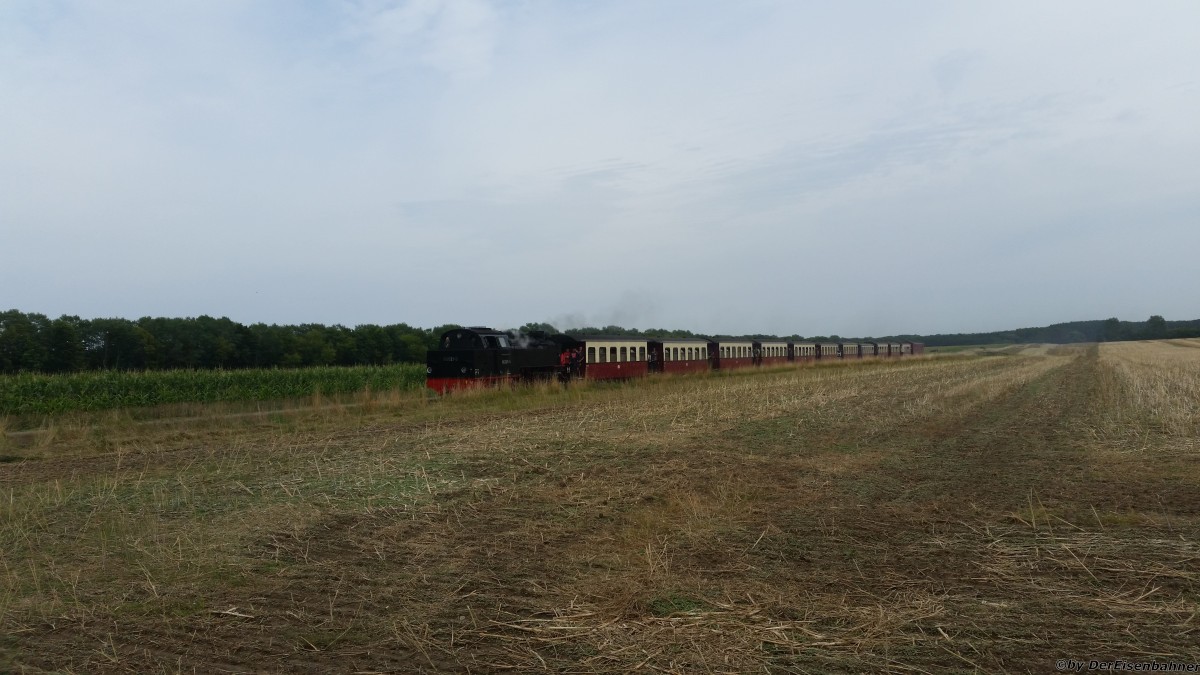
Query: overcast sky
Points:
[859, 168]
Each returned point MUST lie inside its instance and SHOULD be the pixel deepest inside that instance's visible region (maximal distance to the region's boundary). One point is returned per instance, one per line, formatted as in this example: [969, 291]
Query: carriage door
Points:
[655, 357]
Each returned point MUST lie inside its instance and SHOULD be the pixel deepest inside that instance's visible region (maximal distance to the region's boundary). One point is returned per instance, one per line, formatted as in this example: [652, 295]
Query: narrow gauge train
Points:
[468, 357]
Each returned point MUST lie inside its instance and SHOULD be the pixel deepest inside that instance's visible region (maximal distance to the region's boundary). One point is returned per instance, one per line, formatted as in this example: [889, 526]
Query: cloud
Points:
[457, 37]
[770, 167]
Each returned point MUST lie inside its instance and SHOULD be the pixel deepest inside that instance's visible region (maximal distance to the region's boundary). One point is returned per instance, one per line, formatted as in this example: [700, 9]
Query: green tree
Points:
[1111, 331]
[118, 344]
[313, 348]
[1156, 328]
[21, 342]
[64, 346]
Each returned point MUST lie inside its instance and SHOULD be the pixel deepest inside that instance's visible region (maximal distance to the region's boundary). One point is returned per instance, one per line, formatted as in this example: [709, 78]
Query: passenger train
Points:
[471, 357]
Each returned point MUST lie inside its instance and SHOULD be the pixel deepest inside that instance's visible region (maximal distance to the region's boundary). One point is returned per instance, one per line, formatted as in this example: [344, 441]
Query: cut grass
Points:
[918, 515]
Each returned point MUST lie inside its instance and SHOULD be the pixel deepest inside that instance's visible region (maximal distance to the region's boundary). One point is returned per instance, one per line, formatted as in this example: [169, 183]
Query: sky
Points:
[791, 167]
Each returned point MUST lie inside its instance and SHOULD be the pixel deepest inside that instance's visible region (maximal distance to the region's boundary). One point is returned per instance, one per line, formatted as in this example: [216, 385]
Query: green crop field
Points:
[26, 394]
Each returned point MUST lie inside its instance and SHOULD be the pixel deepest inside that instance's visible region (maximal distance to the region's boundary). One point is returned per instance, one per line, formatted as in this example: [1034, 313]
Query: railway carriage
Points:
[771, 352]
[732, 353]
[604, 357]
[680, 355]
[803, 351]
[828, 350]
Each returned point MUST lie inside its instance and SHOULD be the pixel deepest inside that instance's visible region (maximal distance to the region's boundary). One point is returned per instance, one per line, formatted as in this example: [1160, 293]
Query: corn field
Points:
[38, 394]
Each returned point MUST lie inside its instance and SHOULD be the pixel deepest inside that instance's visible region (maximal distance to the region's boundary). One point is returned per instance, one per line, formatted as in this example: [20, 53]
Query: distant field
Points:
[956, 349]
[39, 395]
[1002, 347]
[988, 514]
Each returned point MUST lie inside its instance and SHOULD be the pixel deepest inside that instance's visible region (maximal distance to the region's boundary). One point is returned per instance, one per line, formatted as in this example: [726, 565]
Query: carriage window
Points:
[675, 353]
[624, 354]
[503, 341]
[704, 352]
[612, 354]
[603, 355]
[591, 355]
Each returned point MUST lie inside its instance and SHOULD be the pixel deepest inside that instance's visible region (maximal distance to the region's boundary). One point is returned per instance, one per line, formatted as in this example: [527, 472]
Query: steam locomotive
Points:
[478, 356]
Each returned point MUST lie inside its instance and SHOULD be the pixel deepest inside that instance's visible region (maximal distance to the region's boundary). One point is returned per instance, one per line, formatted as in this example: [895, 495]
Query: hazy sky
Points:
[860, 168]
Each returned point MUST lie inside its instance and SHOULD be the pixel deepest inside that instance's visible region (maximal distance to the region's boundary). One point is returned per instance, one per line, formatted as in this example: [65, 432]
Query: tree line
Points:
[1107, 330]
[35, 343]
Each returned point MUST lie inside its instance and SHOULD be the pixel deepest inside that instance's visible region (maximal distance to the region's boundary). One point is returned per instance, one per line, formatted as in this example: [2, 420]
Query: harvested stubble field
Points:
[965, 513]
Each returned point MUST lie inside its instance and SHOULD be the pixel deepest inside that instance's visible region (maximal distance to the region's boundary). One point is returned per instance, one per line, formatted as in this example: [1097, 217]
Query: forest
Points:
[31, 342]
[36, 343]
